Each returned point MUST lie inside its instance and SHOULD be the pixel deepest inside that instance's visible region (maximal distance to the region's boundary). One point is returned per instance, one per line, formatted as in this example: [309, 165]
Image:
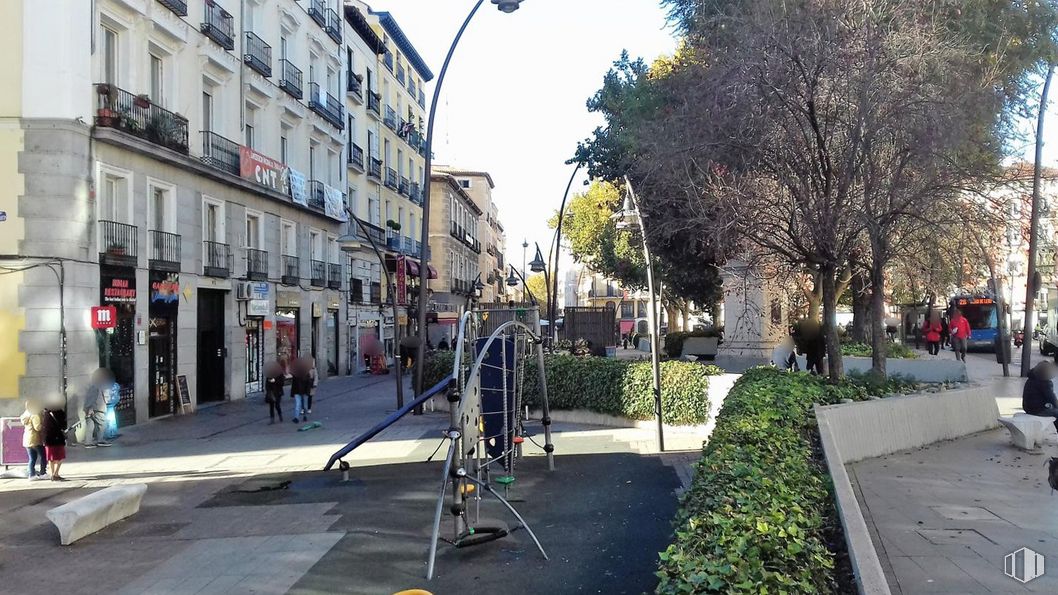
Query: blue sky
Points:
[513, 102]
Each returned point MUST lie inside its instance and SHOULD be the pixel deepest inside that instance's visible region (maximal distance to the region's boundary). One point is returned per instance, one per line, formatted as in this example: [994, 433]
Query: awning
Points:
[411, 267]
[627, 326]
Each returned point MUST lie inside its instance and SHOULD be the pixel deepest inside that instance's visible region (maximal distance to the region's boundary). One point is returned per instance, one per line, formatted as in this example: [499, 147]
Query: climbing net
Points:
[486, 396]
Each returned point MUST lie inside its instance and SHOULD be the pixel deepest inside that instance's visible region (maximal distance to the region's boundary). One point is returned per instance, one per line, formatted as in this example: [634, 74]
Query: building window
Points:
[157, 81]
[464, 183]
[289, 239]
[207, 111]
[159, 209]
[312, 162]
[109, 54]
[316, 244]
[250, 117]
[212, 221]
[114, 200]
[283, 147]
[253, 230]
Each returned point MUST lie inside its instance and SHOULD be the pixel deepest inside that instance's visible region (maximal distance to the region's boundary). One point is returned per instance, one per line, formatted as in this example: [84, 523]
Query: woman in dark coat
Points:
[53, 426]
[275, 378]
[1037, 398]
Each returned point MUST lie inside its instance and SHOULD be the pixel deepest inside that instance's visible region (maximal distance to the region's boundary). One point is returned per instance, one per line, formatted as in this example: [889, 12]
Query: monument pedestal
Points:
[755, 318]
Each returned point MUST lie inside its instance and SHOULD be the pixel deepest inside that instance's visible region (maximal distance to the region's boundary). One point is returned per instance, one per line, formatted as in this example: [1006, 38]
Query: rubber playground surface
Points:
[601, 518]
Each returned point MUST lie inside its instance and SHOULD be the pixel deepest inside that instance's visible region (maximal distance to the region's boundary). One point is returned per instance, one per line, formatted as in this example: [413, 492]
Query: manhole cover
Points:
[966, 513]
[954, 537]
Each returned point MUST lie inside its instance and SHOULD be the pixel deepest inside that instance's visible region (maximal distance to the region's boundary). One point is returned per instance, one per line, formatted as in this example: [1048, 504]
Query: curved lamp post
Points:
[351, 243]
[629, 218]
[557, 247]
[506, 6]
[512, 281]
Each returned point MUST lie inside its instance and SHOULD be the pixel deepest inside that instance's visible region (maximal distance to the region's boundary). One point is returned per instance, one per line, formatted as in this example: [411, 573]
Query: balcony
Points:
[256, 264]
[400, 75]
[216, 260]
[138, 116]
[318, 12]
[388, 60]
[356, 157]
[326, 105]
[316, 198]
[354, 87]
[165, 251]
[375, 233]
[391, 178]
[118, 243]
[291, 270]
[391, 118]
[374, 170]
[290, 79]
[411, 87]
[393, 240]
[374, 103]
[258, 54]
[220, 153]
[334, 25]
[414, 139]
[422, 99]
[318, 271]
[414, 195]
[404, 188]
[411, 247]
[179, 7]
[218, 25]
[422, 147]
[334, 276]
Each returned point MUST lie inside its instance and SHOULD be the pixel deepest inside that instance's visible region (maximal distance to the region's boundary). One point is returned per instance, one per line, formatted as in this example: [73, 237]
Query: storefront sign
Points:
[317, 311]
[257, 308]
[119, 290]
[402, 281]
[260, 290]
[286, 299]
[104, 317]
[334, 203]
[299, 192]
[265, 171]
[166, 289]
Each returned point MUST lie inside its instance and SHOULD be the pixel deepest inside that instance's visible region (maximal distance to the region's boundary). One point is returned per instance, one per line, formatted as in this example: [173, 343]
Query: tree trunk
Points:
[878, 336]
[685, 310]
[814, 298]
[835, 367]
[861, 306]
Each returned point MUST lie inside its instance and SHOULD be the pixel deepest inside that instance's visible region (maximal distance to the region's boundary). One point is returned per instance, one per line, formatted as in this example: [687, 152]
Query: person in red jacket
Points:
[960, 334]
[931, 330]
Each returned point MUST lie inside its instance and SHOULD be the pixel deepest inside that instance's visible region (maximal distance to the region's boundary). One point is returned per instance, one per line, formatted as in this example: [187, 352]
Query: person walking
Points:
[32, 425]
[275, 379]
[299, 387]
[53, 425]
[945, 332]
[95, 408]
[960, 334]
[931, 329]
[314, 376]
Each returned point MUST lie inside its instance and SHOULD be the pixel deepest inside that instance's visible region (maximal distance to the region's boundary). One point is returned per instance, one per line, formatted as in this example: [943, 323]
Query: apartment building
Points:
[176, 174]
[479, 186]
[455, 221]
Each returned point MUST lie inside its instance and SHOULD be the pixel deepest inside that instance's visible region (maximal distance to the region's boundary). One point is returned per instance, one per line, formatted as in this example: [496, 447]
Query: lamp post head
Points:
[507, 6]
[525, 243]
[349, 243]
[511, 279]
[537, 264]
[626, 218]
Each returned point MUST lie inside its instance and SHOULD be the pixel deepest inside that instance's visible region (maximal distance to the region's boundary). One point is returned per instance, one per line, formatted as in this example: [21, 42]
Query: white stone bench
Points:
[1027, 431]
[700, 347]
[93, 512]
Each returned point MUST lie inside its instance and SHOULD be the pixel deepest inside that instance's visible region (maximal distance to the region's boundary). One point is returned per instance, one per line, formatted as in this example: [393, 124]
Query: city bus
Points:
[982, 313]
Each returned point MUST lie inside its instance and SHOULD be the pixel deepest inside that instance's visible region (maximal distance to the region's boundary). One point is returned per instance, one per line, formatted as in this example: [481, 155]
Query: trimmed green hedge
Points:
[756, 515]
[892, 350]
[610, 386]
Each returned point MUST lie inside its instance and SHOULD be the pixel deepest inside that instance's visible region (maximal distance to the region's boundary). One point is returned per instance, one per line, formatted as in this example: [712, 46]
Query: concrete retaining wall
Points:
[880, 427]
[923, 370]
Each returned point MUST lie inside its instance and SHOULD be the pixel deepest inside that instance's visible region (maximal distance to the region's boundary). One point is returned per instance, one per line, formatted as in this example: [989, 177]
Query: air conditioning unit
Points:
[242, 290]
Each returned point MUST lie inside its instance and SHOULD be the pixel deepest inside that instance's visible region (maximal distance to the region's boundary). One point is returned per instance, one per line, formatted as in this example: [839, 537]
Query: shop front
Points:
[162, 339]
[332, 338]
[288, 326]
[117, 345]
[258, 305]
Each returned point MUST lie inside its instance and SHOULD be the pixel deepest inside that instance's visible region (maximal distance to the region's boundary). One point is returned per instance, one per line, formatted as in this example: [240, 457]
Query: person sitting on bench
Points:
[1038, 397]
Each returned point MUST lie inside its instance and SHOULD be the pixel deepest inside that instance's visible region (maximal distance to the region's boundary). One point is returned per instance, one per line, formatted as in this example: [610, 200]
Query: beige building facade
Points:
[479, 186]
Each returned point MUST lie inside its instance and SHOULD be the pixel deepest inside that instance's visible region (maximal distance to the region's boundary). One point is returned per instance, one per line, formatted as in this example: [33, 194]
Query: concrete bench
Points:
[701, 347]
[93, 512]
[1027, 431]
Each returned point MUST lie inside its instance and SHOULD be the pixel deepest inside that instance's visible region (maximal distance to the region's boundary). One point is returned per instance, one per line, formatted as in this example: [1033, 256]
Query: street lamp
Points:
[629, 218]
[506, 6]
[351, 243]
[557, 247]
[537, 265]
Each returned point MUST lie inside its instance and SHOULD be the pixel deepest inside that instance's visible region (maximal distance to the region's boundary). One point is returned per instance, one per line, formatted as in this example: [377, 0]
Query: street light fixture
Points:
[630, 218]
[512, 281]
[506, 6]
[537, 265]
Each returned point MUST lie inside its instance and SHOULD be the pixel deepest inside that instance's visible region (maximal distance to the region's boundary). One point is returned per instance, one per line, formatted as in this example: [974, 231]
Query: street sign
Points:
[104, 317]
[402, 281]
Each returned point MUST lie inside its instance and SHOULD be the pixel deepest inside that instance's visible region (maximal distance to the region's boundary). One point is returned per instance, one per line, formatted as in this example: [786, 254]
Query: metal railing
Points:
[318, 12]
[388, 60]
[422, 99]
[400, 74]
[413, 193]
[290, 79]
[138, 116]
[165, 250]
[257, 54]
[356, 156]
[118, 242]
[391, 178]
[353, 86]
[374, 169]
[393, 240]
[411, 87]
[405, 186]
[218, 25]
[318, 273]
[376, 233]
[179, 7]
[256, 264]
[216, 259]
[220, 153]
[334, 276]
[326, 105]
[291, 270]
[391, 118]
[334, 25]
[374, 103]
[316, 198]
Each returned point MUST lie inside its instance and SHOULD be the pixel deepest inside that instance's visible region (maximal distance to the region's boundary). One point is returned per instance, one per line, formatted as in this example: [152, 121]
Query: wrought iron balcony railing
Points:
[334, 276]
[118, 243]
[388, 60]
[318, 12]
[165, 250]
[326, 105]
[318, 273]
[422, 98]
[290, 79]
[414, 195]
[316, 198]
[257, 54]
[374, 103]
[291, 270]
[374, 169]
[391, 178]
[220, 153]
[356, 157]
[256, 264]
[138, 116]
[216, 259]
[179, 7]
[405, 186]
[334, 25]
[353, 87]
[400, 74]
[218, 25]
[391, 118]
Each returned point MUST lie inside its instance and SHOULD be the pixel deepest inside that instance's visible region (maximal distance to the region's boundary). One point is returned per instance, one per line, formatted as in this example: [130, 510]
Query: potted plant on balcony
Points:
[142, 101]
[393, 225]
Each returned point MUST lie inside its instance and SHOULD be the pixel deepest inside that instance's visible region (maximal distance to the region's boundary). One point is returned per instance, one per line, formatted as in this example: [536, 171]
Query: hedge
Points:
[756, 516]
[892, 350]
[610, 386]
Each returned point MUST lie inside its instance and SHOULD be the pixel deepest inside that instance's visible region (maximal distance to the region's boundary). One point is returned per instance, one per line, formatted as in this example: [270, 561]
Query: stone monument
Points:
[755, 317]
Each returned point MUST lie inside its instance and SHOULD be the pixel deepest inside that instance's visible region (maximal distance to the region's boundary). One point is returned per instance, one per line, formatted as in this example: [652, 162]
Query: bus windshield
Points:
[980, 316]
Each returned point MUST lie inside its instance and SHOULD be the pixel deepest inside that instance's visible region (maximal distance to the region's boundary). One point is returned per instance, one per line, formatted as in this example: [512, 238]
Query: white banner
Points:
[334, 203]
[298, 188]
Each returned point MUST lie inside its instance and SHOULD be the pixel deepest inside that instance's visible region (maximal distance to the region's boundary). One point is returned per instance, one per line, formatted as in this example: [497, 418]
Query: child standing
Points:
[31, 439]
